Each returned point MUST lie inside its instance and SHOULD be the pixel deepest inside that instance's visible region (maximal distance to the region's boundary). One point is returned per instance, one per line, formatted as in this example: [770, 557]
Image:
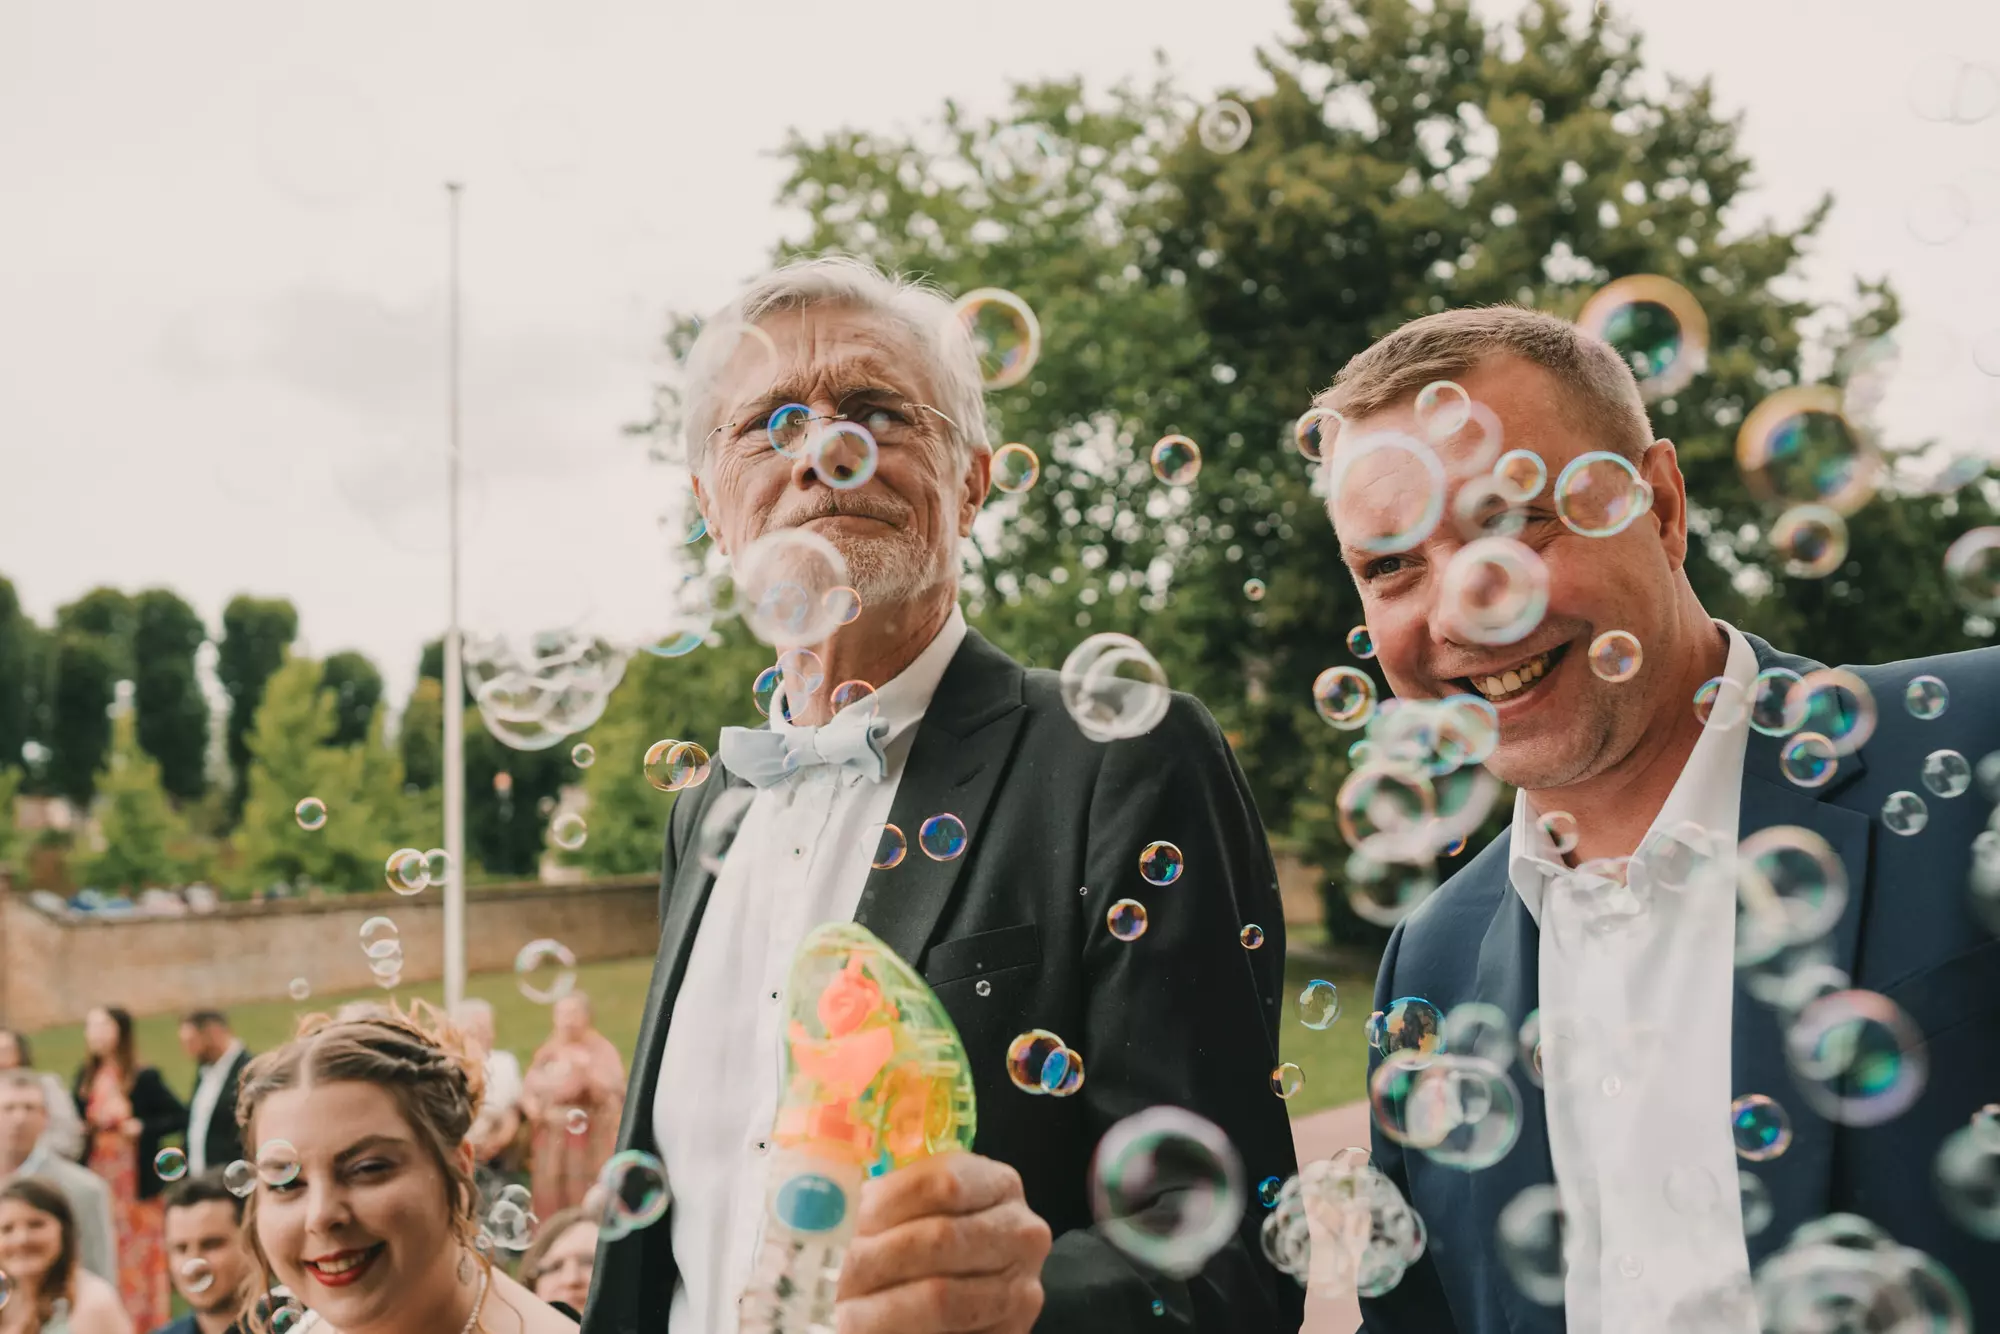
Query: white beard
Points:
[889, 570]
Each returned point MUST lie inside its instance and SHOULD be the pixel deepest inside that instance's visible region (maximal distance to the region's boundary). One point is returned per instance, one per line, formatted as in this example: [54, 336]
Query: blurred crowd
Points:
[116, 1193]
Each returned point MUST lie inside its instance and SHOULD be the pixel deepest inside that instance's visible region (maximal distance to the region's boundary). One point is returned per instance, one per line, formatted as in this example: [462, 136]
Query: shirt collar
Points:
[904, 698]
[1532, 858]
[228, 1057]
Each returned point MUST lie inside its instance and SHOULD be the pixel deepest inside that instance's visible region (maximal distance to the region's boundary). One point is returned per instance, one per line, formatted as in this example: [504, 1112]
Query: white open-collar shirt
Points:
[800, 858]
[1635, 1025]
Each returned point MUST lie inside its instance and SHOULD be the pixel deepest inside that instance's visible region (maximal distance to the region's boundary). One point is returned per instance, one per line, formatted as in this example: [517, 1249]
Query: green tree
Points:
[172, 715]
[108, 614]
[83, 681]
[368, 813]
[684, 699]
[356, 685]
[1403, 159]
[420, 735]
[23, 678]
[11, 841]
[136, 822]
[255, 635]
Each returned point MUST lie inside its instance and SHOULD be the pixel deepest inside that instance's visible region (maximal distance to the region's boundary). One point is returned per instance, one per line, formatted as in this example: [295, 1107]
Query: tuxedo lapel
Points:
[1800, 1179]
[954, 767]
[1508, 975]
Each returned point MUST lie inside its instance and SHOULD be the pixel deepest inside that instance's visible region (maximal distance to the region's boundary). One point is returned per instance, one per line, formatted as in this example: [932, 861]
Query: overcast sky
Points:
[223, 240]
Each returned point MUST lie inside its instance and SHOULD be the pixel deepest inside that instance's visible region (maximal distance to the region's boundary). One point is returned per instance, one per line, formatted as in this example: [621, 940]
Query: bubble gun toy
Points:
[875, 1078]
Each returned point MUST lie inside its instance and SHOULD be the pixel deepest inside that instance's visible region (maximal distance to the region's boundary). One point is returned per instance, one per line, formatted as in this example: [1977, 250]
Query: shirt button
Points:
[1631, 1266]
[774, 995]
[798, 852]
[1612, 1086]
[763, 1146]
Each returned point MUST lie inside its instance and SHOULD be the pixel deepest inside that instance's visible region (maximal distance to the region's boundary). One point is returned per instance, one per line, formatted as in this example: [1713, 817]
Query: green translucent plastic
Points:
[875, 1074]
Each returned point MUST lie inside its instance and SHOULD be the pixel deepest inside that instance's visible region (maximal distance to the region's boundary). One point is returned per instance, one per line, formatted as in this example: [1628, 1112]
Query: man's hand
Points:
[944, 1246]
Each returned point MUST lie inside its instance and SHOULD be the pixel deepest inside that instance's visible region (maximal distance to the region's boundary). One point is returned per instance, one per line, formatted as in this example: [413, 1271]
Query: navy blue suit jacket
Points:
[1908, 933]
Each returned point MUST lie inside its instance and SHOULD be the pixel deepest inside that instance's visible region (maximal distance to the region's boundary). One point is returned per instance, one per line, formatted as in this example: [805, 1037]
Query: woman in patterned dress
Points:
[575, 1092]
[127, 1109]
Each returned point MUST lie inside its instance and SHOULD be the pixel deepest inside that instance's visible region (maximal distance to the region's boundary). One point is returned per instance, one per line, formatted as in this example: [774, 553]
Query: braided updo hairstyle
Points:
[417, 1056]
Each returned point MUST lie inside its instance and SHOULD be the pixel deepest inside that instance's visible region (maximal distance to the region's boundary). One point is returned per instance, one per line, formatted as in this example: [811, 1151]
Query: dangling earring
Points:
[464, 1264]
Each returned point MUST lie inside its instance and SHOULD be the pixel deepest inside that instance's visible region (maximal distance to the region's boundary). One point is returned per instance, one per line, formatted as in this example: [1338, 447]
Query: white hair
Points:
[856, 284]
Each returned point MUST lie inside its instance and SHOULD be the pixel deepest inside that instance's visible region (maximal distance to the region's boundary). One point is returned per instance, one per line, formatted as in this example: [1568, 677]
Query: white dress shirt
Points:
[1635, 1022]
[201, 1107]
[503, 1082]
[800, 858]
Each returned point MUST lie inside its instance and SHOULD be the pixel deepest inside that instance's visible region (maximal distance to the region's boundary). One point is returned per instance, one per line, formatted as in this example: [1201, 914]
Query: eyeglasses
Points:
[788, 429]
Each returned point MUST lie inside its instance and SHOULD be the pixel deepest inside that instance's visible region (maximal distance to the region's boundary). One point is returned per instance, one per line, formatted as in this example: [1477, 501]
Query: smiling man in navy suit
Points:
[1761, 991]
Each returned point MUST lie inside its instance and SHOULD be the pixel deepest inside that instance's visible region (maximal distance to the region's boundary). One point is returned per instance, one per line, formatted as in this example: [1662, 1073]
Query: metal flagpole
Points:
[454, 682]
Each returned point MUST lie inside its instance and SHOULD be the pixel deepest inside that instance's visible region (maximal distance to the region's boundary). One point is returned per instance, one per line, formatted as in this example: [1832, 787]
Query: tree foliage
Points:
[83, 681]
[23, 679]
[172, 715]
[10, 830]
[1404, 159]
[369, 814]
[144, 842]
[255, 635]
[356, 686]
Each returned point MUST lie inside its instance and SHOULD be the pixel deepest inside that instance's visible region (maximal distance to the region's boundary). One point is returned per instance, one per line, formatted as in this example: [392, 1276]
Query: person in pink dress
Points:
[575, 1092]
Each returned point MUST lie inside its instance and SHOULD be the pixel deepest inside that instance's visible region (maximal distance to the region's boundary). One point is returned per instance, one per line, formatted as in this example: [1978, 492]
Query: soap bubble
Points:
[545, 971]
[1167, 1189]
[1114, 687]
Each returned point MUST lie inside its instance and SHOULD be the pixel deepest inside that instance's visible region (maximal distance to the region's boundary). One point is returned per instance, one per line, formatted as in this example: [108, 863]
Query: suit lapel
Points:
[954, 767]
[1800, 1178]
[1508, 974]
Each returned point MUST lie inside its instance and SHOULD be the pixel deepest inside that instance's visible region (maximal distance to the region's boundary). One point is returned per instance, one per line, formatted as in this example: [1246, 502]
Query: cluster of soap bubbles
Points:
[410, 871]
[1342, 1226]
[533, 695]
[510, 1221]
[1039, 1062]
[1416, 789]
[382, 943]
[1843, 1272]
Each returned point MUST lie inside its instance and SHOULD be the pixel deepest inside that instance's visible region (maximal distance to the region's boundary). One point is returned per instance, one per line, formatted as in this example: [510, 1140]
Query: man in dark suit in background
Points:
[1734, 896]
[213, 1141]
[1015, 834]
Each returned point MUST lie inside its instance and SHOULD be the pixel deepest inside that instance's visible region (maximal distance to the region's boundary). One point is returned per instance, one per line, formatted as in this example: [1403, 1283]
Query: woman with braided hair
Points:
[365, 1208]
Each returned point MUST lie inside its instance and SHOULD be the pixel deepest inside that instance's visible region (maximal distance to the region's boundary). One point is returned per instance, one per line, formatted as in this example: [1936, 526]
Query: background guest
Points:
[496, 1139]
[24, 1153]
[52, 1294]
[64, 1137]
[558, 1267]
[128, 1110]
[206, 1255]
[219, 1056]
[575, 1088]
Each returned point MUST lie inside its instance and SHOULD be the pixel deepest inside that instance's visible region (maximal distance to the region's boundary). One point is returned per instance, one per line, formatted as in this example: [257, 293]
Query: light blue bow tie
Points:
[853, 740]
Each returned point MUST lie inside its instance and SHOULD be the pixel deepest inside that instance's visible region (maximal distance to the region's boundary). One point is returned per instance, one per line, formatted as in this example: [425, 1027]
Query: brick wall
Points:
[52, 971]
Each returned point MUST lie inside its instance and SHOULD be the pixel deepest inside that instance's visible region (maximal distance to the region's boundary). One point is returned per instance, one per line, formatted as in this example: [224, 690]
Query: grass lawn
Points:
[1334, 1061]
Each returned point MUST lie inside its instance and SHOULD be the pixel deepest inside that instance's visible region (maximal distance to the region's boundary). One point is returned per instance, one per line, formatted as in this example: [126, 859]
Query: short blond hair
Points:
[1598, 387]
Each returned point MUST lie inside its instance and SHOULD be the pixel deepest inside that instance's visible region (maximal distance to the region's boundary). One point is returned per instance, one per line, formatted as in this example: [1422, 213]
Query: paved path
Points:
[1320, 1136]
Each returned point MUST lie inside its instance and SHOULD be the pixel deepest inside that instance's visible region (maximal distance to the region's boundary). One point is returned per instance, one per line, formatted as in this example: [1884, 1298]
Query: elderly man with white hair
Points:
[1007, 921]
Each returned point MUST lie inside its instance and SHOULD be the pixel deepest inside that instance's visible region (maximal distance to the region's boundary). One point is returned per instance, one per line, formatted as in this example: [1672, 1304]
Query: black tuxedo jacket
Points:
[223, 1143]
[1183, 1015]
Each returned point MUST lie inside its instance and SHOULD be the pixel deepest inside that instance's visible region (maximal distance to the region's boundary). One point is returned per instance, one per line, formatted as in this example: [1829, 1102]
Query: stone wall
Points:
[53, 970]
